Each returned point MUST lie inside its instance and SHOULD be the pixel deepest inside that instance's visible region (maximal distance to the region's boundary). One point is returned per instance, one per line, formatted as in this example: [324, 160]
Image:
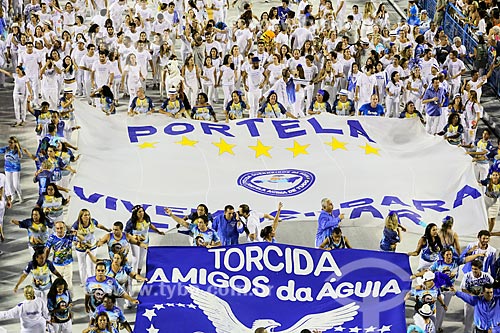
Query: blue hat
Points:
[255, 59]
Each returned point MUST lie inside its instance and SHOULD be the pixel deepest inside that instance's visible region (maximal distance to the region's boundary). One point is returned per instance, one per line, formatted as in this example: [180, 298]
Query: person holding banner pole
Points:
[430, 246]
[199, 227]
[268, 234]
[326, 221]
[252, 219]
[138, 226]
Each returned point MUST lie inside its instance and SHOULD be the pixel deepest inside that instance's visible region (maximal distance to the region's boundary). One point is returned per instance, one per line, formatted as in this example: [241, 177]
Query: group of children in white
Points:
[285, 63]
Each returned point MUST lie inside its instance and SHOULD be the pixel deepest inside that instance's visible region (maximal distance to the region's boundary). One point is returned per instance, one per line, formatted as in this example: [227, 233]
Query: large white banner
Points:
[368, 166]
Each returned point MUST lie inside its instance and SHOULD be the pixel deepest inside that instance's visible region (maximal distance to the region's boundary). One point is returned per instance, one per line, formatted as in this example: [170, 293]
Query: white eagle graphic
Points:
[222, 317]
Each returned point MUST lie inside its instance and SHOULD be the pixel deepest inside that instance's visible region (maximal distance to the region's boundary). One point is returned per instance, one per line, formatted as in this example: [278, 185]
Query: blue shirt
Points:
[208, 235]
[43, 179]
[326, 223]
[486, 313]
[121, 276]
[96, 290]
[36, 231]
[433, 109]
[59, 308]
[12, 159]
[442, 266]
[62, 249]
[389, 237]
[122, 243]
[42, 275]
[115, 315]
[227, 231]
[368, 110]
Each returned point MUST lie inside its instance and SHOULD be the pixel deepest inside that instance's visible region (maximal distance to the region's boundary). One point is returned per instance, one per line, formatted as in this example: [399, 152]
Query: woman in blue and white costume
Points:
[138, 226]
[119, 269]
[12, 158]
[86, 226]
[392, 233]
[203, 110]
[273, 109]
[235, 108]
[430, 246]
[268, 233]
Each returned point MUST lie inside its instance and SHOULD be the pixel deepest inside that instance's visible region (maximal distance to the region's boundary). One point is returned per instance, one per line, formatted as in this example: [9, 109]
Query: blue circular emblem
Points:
[277, 183]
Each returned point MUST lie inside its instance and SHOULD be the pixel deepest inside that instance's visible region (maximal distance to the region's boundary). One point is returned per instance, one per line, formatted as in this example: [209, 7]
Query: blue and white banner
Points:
[280, 287]
[368, 166]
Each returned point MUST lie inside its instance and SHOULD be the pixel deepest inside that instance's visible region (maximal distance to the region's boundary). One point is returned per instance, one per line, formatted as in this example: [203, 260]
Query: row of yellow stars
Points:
[263, 150]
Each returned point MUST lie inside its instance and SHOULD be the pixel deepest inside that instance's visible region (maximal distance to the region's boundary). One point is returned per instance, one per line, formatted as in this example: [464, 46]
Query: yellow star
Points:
[260, 149]
[298, 149]
[336, 144]
[370, 150]
[187, 142]
[224, 147]
[145, 145]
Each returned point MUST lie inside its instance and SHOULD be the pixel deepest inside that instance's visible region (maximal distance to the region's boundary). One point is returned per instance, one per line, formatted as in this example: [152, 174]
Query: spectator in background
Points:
[373, 108]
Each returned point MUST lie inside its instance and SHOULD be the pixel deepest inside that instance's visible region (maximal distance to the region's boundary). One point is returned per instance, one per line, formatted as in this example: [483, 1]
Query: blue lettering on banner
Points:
[357, 206]
[281, 287]
[277, 183]
[285, 129]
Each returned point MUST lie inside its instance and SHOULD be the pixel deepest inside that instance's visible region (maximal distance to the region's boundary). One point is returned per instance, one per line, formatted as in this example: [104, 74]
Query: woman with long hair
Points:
[236, 106]
[368, 19]
[38, 227]
[227, 77]
[138, 226]
[415, 87]
[394, 89]
[473, 111]
[85, 227]
[449, 238]
[191, 74]
[52, 202]
[430, 245]
[102, 325]
[41, 269]
[132, 71]
[453, 131]
[60, 304]
[491, 196]
[12, 167]
[268, 234]
[69, 70]
[20, 94]
[392, 233]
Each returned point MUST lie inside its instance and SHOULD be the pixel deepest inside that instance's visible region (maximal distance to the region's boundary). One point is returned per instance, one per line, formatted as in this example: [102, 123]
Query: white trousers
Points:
[35, 86]
[432, 126]
[2, 213]
[86, 267]
[227, 90]
[298, 106]
[14, 182]
[20, 107]
[468, 318]
[253, 102]
[447, 295]
[138, 257]
[391, 106]
[63, 328]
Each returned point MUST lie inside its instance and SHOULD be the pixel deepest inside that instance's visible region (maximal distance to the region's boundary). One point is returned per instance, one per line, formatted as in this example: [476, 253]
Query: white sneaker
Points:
[20, 199]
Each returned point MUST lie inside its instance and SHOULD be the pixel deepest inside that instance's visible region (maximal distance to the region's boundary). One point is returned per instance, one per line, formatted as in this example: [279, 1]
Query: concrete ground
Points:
[15, 254]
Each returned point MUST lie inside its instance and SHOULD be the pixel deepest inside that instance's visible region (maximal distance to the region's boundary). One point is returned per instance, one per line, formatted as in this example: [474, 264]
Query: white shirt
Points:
[30, 63]
[253, 225]
[32, 313]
